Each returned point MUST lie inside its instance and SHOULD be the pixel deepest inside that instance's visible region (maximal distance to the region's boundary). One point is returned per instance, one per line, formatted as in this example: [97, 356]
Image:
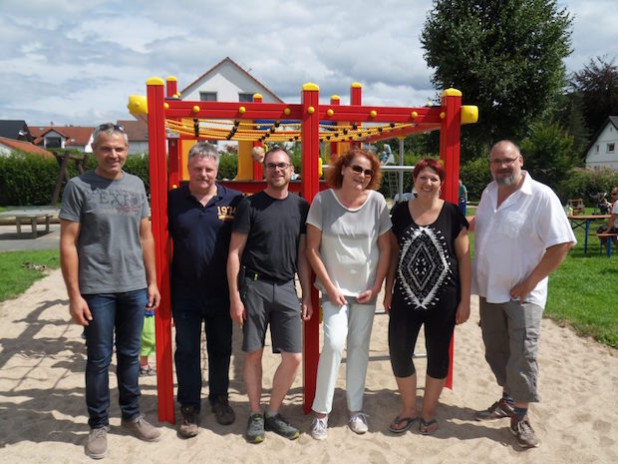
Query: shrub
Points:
[586, 183]
[228, 167]
[475, 176]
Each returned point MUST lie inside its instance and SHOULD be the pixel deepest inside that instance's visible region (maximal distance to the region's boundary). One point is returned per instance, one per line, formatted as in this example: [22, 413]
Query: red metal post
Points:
[158, 195]
[356, 98]
[172, 87]
[258, 169]
[310, 187]
[335, 147]
[450, 130]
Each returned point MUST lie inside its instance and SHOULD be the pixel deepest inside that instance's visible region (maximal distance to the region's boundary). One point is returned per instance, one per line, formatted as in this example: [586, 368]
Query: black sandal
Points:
[407, 422]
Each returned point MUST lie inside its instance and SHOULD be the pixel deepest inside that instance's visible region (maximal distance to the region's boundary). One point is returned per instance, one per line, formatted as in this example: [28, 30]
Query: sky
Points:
[74, 62]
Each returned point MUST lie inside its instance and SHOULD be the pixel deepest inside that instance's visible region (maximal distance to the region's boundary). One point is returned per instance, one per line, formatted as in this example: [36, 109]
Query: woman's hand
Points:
[463, 312]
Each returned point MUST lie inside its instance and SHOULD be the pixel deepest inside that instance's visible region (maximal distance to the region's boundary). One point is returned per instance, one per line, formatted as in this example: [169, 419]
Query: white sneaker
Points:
[358, 423]
[318, 428]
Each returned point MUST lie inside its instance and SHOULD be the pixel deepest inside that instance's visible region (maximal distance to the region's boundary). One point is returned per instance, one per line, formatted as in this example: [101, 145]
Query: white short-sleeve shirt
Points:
[349, 245]
[510, 240]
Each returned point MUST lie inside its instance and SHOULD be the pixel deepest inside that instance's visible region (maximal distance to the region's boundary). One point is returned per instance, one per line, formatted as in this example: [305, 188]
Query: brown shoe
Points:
[188, 424]
[523, 431]
[223, 411]
[498, 410]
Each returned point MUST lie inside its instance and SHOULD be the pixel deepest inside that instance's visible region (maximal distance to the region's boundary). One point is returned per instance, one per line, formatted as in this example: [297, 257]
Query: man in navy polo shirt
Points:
[200, 222]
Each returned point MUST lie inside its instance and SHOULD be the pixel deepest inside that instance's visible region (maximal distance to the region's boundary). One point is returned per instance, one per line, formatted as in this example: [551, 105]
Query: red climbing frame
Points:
[447, 118]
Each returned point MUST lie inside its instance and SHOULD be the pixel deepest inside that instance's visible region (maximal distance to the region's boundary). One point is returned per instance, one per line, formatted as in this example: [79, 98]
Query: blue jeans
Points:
[189, 314]
[123, 312]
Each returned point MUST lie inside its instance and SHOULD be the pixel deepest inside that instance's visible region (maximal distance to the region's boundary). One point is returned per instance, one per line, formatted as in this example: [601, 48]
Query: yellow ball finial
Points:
[442, 115]
[311, 110]
[287, 111]
[373, 113]
[330, 112]
[196, 109]
[242, 110]
[414, 114]
[166, 105]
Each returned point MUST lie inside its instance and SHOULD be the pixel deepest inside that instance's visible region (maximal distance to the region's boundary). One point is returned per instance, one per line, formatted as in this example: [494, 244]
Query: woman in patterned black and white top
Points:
[427, 284]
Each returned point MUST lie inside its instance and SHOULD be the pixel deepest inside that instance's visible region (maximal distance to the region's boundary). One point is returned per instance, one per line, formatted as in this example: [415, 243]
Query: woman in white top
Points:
[348, 247]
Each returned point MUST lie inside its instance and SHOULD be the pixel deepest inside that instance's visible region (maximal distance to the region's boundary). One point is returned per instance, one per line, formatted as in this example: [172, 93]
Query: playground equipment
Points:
[176, 124]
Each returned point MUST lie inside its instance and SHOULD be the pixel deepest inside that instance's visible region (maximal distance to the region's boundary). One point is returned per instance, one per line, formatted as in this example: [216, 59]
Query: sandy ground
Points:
[43, 414]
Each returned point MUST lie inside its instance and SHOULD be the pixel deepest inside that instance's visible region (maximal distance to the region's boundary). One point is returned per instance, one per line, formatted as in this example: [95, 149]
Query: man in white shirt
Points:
[521, 236]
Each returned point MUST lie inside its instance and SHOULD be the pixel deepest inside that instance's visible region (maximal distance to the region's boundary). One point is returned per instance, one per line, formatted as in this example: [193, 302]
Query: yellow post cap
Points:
[335, 97]
[357, 85]
[155, 81]
[310, 86]
[469, 114]
[451, 93]
[257, 95]
[171, 78]
[138, 104]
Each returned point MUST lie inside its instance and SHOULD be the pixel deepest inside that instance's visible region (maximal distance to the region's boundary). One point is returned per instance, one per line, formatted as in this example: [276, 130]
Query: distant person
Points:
[267, 249]
[108, 264]
[428, 285]
[147, 343]
[348, 246]
[612, 224]
[462, 197]
[257, 153]
[514, 255]
[200, 215]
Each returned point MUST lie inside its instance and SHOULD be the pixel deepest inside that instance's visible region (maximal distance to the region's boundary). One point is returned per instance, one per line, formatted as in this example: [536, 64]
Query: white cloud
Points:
[76, 62]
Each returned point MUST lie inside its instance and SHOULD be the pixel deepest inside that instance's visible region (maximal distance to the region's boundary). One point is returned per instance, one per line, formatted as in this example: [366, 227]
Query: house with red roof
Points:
[67, 137]
[8, 146]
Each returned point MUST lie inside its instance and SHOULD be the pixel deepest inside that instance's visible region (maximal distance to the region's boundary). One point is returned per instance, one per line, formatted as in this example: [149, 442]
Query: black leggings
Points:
[403, 329]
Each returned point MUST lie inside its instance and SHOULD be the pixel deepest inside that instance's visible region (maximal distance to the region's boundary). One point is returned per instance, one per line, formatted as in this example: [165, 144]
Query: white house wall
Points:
[598, 155]
[228, 82]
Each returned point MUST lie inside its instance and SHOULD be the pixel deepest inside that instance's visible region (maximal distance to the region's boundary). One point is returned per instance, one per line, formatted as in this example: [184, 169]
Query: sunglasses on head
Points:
[359, 170]
[110, 126]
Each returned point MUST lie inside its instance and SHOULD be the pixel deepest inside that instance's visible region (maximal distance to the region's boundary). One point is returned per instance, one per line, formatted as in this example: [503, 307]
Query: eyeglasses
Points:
[359, 170]
[109, 126]
[507, 161]
[274, 166]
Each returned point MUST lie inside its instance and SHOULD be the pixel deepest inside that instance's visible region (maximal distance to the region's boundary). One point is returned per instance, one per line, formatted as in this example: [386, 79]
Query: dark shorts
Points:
[275, 304]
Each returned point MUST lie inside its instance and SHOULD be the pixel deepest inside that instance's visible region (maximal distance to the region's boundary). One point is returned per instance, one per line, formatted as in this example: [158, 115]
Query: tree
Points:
[506, 58]
[549, 153]
[597, 84]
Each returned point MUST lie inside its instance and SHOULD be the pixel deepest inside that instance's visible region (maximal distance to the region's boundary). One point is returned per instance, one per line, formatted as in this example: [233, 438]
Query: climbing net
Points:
[276, 131]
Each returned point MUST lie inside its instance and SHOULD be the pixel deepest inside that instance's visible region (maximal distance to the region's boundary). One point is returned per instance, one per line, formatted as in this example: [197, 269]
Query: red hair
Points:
[432, 164]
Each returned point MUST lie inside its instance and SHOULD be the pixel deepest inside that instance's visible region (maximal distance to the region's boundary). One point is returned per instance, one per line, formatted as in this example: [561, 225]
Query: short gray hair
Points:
[108, 128]
[203, 150]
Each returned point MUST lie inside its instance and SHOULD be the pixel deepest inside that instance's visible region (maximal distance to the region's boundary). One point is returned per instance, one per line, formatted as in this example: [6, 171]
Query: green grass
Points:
[582, 291]
[15, 278]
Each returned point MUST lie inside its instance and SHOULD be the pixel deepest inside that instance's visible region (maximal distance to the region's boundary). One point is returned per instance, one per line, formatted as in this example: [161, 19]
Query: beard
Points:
[512, 179]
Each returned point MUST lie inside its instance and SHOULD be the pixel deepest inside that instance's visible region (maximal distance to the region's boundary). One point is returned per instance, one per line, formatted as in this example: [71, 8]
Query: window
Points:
[597, 147]
[611, 147]
[53, 142]
[245, 97]
[208, 96]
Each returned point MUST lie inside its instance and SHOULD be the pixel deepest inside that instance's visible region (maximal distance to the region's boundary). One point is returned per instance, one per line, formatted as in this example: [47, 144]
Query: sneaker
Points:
[188, 425]
[358, 423]
[523, 431]
[96, 446]
[319, 428]
[255, 428]
[223, 411]
[141, 428]
[281, 427]
[146, 370]
[498, 410]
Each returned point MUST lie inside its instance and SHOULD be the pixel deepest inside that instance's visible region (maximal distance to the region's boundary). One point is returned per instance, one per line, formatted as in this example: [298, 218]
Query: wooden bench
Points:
[609, 238]
[31, 217]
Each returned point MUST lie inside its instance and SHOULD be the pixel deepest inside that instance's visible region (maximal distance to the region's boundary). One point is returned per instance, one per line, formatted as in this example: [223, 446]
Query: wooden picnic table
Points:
[583, 221]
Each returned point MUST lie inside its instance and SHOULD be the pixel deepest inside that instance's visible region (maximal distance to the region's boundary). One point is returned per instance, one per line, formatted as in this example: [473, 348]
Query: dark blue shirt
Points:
[201, 237]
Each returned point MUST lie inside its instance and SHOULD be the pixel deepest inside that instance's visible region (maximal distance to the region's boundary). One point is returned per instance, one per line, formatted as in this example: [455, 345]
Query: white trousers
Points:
[351, 323]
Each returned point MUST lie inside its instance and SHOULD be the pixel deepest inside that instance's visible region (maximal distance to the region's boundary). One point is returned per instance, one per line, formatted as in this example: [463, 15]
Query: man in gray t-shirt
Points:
[108, 265]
